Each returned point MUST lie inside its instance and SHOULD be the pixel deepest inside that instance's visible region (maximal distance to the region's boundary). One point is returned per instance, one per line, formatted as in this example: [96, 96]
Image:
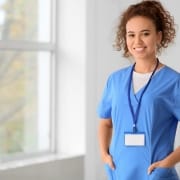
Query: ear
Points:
[159, 37]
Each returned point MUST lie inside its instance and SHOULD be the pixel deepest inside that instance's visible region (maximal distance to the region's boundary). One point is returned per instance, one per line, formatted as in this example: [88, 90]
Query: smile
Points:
[139, 49]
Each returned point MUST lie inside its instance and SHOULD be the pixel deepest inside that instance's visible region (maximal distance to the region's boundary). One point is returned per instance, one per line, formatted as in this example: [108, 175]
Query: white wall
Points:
[71, 76]
[101, 60]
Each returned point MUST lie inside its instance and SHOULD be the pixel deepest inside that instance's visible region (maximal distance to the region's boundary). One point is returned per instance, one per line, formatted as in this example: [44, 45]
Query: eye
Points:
[146, 33]
[131, 35]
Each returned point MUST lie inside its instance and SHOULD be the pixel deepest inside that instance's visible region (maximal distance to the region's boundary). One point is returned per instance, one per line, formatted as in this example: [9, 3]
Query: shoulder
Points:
[171, 78]
[118, 76]
[172, 73]
[121, 73]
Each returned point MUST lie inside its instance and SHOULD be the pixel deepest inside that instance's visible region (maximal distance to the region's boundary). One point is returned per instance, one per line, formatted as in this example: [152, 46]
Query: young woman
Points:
[140, 106]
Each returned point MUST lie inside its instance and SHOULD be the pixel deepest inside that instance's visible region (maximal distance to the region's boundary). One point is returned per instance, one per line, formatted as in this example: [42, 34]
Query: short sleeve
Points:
[176, 108]
[105, 104]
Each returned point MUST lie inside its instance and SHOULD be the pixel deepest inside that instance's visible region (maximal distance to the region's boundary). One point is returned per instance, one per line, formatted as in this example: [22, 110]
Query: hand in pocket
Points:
[159, 164]
[109, 160]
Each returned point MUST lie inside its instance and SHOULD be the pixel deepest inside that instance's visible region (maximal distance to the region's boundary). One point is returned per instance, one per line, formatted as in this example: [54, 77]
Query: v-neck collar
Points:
[135, 96]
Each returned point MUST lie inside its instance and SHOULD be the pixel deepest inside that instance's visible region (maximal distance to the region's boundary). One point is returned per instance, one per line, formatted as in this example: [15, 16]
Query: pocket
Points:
[108, 172]
[164, 174]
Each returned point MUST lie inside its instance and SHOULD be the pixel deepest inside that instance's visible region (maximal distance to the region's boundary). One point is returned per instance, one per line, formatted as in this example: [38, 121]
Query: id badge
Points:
[134, 139]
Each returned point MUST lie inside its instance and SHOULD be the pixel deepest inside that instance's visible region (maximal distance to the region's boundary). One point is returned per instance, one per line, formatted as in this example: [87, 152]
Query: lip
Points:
[139, 49]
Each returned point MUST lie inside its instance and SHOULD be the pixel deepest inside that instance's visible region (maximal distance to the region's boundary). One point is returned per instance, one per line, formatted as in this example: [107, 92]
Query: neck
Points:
[145, 66]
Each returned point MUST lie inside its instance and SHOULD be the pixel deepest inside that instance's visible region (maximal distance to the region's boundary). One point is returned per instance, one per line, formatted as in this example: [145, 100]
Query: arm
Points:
[169, 161]
[104, 136]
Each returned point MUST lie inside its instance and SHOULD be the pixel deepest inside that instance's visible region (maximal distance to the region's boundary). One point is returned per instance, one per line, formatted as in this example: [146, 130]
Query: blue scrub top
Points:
[158, 117]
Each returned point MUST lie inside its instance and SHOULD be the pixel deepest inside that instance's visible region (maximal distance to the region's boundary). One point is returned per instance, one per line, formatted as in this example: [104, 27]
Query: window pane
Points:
[27, 20]
[25, 103]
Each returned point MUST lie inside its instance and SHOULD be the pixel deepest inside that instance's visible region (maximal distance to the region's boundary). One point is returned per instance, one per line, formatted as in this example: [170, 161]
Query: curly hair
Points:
[153, 10]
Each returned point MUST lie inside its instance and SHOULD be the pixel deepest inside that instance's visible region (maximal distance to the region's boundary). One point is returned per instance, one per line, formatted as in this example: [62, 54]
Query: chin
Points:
[143, 56]
[139, 56]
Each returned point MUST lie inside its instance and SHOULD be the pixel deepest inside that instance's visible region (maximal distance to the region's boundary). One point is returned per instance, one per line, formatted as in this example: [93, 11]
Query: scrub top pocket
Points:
[164, 174]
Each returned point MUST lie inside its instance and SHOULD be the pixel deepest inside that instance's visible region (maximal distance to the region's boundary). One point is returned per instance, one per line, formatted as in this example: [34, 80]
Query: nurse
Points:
[140, 105]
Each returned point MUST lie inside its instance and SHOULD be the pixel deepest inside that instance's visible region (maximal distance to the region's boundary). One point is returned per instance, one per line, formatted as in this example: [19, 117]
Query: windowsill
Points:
[37, 160]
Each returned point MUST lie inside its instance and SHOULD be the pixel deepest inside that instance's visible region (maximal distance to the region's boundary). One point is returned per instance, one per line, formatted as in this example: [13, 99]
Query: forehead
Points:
[139, 23]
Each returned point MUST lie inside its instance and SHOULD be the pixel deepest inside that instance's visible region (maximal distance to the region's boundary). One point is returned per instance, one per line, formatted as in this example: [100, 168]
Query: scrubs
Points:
[158, 118]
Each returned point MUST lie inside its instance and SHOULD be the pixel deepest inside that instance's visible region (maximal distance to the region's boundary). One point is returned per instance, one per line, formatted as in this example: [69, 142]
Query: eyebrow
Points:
[144, 30]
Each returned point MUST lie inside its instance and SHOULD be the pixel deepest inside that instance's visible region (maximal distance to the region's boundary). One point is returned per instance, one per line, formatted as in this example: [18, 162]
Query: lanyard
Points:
[136, 113]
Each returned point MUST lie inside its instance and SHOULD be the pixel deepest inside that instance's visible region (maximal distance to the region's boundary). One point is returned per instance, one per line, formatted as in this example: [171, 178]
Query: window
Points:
[27, 55]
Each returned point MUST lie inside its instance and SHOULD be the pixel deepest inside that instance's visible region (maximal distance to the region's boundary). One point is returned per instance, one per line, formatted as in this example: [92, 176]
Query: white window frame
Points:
[51, 47]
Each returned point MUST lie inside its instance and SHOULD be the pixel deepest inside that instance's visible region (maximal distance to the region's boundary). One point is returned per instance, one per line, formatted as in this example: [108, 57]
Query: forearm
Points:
[170, 161]
[104, 135]
[173, 158]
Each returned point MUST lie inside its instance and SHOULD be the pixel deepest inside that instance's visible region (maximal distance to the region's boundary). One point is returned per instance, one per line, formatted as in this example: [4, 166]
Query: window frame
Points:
[51, 47]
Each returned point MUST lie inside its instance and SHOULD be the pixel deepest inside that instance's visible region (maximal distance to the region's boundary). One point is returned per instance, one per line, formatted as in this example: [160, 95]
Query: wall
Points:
[67, 169]
[101, 60]
[70, 68]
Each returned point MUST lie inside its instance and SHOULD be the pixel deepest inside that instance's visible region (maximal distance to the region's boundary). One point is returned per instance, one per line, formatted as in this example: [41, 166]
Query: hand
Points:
[107, 159]
[161, 164]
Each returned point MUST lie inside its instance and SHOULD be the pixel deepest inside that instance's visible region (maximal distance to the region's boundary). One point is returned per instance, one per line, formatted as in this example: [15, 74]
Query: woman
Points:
[140, 106]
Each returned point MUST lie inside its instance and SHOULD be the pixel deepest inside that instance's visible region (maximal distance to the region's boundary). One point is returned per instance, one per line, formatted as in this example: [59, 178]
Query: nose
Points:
[138, 40]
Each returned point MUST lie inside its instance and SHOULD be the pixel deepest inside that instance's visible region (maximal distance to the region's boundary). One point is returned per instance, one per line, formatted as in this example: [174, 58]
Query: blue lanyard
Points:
[136, 113]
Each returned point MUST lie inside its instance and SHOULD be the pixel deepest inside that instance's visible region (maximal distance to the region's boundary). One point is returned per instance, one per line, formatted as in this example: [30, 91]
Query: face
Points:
[142, 38]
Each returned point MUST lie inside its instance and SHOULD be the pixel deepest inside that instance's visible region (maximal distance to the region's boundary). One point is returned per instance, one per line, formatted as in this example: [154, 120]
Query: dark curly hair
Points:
[153, 10]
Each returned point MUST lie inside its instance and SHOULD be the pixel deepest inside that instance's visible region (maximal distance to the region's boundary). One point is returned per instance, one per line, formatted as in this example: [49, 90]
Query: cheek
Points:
[152, 44]
[128, 43]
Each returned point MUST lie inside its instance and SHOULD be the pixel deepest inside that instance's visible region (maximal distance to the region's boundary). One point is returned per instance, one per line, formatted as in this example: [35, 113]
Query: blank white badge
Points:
[137, 139]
